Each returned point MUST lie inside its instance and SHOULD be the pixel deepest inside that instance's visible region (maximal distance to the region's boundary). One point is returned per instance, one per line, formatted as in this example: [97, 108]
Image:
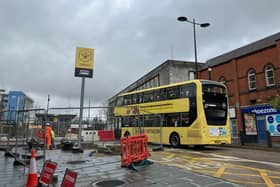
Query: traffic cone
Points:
[32, 179]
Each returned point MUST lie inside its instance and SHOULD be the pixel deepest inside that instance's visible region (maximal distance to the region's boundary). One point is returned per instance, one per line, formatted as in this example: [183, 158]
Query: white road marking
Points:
[226, 158]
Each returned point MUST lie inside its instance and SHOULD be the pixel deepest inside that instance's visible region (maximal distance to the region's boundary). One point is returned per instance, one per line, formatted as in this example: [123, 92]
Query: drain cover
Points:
[109, 183]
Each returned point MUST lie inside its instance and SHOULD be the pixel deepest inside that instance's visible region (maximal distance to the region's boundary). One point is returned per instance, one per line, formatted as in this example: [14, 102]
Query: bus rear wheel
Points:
[175, 140]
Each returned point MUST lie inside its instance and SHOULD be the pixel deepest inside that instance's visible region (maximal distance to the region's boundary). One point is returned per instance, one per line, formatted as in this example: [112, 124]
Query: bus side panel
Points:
[194, 135]
[153, 133]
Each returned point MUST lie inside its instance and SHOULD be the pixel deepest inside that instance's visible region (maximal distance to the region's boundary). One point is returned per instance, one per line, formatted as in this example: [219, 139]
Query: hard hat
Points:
[48, 124]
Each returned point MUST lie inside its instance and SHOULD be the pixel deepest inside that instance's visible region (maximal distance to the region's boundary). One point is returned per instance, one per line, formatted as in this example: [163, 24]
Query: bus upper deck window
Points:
[127, 100]
[134, 99]
[214, 89]
[149, 96]
[140, 98]
[162, 94]
[156, 95]
[173, 93]
[187, 91]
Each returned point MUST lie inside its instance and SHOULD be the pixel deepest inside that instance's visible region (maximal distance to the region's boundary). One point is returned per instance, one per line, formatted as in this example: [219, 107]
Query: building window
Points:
[191, 75]
[149, 83]
[222, 80]
[157, 81]
[269, 75]
[252, 79]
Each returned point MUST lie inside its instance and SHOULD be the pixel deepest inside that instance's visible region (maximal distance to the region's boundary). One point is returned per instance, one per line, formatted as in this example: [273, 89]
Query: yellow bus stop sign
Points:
[84, 62]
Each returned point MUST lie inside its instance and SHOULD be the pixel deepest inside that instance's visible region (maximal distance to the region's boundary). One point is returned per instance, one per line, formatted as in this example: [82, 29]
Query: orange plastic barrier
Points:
[106, 135]
[134, 149]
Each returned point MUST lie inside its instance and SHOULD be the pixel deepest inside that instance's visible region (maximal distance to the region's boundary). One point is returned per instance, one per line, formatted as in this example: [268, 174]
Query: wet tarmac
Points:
[105, 170]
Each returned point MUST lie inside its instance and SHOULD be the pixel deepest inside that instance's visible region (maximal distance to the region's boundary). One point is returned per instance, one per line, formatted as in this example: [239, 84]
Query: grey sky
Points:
[130, 37]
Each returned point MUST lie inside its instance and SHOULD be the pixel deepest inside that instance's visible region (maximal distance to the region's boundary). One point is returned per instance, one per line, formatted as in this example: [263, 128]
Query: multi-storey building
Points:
[17, 102]
[251, 74]
[3, 104]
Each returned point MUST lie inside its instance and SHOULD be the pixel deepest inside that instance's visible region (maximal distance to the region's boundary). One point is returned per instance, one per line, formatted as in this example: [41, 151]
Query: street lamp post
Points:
[185, 19]
[209, 73]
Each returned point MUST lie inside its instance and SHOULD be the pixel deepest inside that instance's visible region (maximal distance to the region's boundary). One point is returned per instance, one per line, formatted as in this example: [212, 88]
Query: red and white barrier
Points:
[106, 135]
[69, 178]
[47, 172]
[134, 149]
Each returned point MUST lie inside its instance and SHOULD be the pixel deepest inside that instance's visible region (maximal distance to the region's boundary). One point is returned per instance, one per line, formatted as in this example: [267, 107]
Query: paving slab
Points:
[102, 168]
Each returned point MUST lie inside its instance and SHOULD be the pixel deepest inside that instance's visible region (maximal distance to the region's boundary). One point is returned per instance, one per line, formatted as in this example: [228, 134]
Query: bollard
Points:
[269, 142]
[241, 138]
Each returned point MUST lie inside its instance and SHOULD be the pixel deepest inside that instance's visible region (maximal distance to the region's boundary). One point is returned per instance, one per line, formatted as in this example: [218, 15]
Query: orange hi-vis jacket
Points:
[48, 136]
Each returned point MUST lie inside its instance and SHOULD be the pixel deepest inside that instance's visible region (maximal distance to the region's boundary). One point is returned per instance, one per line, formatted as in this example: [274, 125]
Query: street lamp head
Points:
[204, 24]
[182, 18]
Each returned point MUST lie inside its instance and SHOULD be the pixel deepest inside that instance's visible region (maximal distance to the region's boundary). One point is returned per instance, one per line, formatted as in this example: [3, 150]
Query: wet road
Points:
[102, 168]
[243, 166]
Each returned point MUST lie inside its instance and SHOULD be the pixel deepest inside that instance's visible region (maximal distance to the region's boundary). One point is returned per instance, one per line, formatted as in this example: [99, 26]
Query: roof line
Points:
[245, 50]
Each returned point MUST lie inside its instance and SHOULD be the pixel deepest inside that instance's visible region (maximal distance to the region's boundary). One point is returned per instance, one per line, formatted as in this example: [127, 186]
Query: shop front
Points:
[260, 123]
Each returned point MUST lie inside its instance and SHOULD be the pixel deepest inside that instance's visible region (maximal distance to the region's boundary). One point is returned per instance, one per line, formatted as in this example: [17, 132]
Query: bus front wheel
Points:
[175, 140]
[126, 134]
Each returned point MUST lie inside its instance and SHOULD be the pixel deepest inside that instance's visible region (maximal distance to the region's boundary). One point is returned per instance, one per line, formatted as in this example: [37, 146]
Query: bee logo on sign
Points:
[84, 62]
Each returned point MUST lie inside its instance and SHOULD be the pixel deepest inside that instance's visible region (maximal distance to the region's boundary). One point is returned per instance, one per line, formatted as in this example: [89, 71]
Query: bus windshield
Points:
[215, 104]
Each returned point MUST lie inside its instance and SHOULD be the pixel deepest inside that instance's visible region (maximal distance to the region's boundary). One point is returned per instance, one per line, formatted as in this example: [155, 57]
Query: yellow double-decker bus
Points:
[185, 113]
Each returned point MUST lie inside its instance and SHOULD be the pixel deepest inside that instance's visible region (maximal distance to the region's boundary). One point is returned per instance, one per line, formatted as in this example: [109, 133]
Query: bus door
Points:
[137, 125]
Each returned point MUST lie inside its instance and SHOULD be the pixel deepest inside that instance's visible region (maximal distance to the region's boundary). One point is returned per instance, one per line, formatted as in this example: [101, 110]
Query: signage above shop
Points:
[260, 110]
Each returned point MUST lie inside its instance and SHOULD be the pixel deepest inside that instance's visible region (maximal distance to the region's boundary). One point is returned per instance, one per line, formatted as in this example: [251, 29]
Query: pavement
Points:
[274, 148]
[97, 169]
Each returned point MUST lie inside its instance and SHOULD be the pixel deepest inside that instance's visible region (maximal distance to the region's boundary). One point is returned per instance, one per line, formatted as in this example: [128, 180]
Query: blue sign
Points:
[271, 128]
[272, 124]
[270, 119]
[260, 110]
[278, 127]
[278, 118]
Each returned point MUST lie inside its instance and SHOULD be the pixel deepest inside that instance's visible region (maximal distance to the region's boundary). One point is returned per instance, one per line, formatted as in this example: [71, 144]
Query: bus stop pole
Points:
[81, 111]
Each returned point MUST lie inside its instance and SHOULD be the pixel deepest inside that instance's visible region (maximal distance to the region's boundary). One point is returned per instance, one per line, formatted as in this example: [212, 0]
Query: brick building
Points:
[251, 74]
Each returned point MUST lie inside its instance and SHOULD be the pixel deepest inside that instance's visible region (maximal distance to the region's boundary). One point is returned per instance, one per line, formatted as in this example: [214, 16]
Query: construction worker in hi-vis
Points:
[48, 135]
[53, 139]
